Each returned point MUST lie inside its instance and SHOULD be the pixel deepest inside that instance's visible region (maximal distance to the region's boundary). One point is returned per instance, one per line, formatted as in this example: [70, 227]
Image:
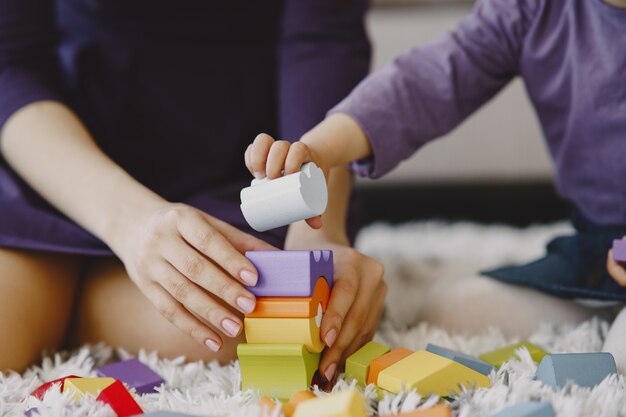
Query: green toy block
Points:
[278, 370]
[358, 364]
[498, 357]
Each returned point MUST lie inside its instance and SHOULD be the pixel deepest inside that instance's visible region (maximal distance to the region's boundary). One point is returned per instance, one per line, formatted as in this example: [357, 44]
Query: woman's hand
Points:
[191, 267]
[266, 157]
[616, 270]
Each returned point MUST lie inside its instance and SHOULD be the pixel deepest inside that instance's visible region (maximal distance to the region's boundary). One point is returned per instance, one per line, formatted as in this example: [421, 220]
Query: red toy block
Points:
[120, 400]
[41, 391]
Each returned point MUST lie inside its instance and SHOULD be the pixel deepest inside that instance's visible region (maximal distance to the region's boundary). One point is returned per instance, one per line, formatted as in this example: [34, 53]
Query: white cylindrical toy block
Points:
[268, 204]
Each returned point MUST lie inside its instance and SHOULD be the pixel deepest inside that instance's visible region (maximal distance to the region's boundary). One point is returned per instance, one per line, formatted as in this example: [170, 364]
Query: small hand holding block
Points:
[341, 404]
[41, 391]
[531, 409]
[619, 250]
[358, 364]
[120, 400]
[429, 374]
[286, 330]
[277, 369]
[290, 273]
[385, 361]
[470, 361]
[293, 307]
[84, 386]
[583, 369]
[134, 374]
[498, 357]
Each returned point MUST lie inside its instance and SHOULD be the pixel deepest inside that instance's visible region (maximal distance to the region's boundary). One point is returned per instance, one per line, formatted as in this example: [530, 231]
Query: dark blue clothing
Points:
[173, 92]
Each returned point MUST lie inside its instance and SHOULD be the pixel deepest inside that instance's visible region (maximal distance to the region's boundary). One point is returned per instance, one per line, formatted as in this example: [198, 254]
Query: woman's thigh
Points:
[473, 303]
[36, 298]
[113, 310]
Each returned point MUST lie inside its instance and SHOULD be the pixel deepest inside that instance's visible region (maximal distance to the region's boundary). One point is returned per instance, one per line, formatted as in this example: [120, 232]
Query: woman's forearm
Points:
[47, 145]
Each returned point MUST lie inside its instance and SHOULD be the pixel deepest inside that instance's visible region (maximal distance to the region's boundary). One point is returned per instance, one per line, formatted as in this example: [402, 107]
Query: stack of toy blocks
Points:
[283, 346]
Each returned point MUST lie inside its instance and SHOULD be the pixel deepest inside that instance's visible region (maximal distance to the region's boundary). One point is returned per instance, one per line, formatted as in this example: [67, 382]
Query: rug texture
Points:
[411, 253]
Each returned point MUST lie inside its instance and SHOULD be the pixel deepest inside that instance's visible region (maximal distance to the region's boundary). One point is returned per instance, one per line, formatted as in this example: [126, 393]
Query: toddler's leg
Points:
[112, 309]
[36, 298]
[471, 304]
[616, 341]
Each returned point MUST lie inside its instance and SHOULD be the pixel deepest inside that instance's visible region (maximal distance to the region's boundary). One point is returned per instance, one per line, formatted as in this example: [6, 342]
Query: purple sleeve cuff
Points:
[21, 87]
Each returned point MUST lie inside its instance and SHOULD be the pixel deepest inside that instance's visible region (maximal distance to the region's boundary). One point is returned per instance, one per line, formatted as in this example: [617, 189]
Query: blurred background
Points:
[493, 168]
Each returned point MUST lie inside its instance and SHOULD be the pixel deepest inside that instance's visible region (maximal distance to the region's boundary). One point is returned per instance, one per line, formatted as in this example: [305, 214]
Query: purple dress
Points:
[172, 93]
[571, 55]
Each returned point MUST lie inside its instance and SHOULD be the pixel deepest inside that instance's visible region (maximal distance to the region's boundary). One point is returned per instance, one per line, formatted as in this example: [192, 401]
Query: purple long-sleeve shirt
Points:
[172, 92]
[571, 55]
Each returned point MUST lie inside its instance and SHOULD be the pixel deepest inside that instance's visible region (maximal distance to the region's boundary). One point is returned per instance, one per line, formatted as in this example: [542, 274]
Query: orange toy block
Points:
[385, 361]
[440, 410]
[294, 307]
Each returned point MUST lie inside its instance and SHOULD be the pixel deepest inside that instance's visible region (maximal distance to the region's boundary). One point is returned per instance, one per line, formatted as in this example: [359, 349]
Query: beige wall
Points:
[502, 141]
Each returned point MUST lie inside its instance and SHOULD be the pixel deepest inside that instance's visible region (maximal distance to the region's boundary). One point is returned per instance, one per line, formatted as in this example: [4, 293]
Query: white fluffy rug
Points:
[411, 253]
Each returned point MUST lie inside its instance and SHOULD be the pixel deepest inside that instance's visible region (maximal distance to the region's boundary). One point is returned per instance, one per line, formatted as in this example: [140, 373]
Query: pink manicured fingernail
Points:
[246, 304]
[231, 327]
[213, 345]
[249, 277]
[330, 372]
[330, 338]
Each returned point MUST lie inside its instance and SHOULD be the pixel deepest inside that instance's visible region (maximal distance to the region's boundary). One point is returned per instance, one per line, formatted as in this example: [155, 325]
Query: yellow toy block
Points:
[277, 370]
[358, 364]
[429, 374]
[500, 356]
[83, 386]
[285, 330]
[341, 404]
[439, 410]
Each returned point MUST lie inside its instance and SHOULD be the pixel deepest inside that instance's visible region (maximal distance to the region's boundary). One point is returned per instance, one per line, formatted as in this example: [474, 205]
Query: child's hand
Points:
[266, 157]
[191, 267]
[616, 270]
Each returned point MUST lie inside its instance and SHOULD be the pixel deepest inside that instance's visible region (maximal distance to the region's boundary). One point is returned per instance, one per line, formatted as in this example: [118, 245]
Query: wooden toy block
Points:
[268, 204]
[84, 386]
[301, 396]
[134, 374]
[290, 273]
[358, 364]
[277, 369]
[294, 307]
[41, 391]
[285, 330]
[120, 400]
[531, 409]
[429, 374]
[619, 250]
[385, 361]
[342, 404]
[31, 412]
[498, 357]
[583, 369]
[439, 410]
[468, 360]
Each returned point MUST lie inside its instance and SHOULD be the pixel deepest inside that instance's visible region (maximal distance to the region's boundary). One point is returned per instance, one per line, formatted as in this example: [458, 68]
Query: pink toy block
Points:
[134, 374]
[619, 250]
[290, 273]
[41, 391]
[120, 400]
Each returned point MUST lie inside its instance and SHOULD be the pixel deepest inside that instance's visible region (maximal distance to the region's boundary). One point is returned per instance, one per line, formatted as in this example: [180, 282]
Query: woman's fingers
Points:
[260, 150]
[198, 302]
[202, 272]
[211, 243]
[240, 240]
[276, 159]
[616, 270]
[176, 314]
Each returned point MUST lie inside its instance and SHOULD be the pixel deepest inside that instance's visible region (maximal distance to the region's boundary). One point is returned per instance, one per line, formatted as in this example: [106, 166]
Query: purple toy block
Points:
[619, 250]
[134, 374]
[290, 273]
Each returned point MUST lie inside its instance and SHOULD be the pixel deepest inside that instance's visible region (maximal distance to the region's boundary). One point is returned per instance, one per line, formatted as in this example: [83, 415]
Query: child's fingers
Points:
[260, 149]
[298, 154]
[276, 159]
[248, 158]
[616, 270]
[315, 222]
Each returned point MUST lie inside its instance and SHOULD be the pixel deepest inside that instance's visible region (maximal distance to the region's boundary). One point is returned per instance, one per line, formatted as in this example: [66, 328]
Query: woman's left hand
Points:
[616, 270]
